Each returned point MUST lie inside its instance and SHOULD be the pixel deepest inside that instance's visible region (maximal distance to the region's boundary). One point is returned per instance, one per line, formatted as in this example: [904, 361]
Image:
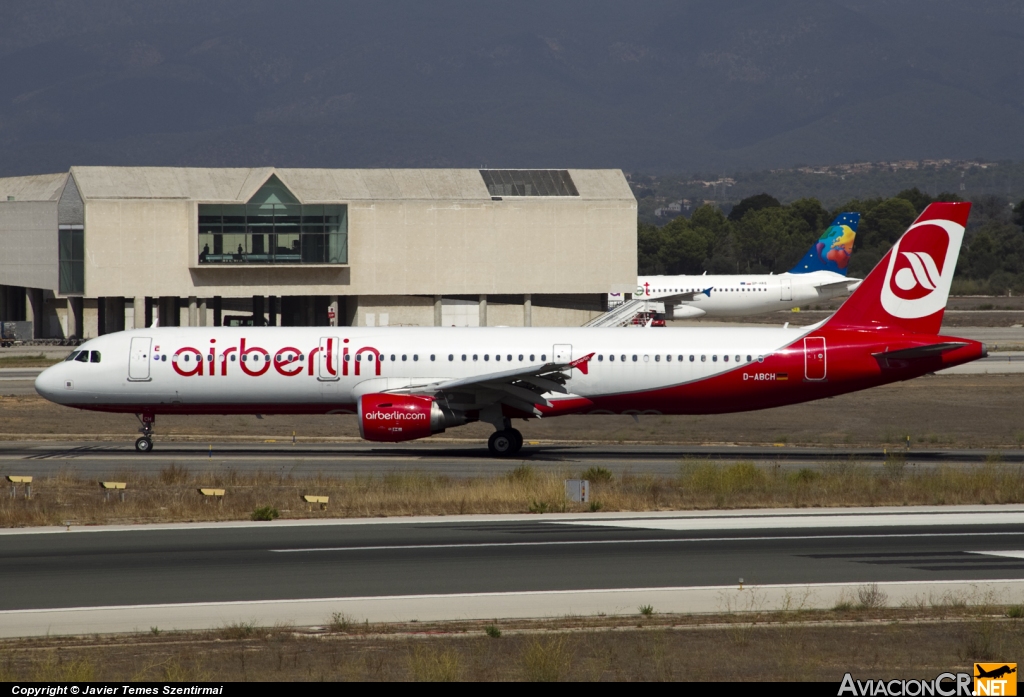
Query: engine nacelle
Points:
[682, 311]
[391, 418]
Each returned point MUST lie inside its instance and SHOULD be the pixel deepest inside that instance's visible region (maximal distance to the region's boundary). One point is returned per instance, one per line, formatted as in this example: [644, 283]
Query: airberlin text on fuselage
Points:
[255, 361]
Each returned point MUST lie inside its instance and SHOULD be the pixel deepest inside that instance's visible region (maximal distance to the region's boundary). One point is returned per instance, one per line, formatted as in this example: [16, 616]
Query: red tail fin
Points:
[909, 288]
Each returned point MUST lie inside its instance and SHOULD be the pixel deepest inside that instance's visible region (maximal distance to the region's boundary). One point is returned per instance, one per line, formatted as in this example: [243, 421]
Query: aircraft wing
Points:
[683, 297]
[846, 284]
[521, 388]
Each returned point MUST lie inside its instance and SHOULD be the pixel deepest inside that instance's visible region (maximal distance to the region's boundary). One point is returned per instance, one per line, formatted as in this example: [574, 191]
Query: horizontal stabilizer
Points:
[921, 351]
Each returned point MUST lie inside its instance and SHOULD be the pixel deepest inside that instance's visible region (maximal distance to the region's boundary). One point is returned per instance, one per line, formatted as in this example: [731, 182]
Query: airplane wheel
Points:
[144, 445]
[518, 440]
[501, 444]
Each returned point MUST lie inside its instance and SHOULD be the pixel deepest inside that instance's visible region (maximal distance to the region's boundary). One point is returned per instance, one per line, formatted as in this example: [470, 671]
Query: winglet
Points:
[582, 363]
[707, 291]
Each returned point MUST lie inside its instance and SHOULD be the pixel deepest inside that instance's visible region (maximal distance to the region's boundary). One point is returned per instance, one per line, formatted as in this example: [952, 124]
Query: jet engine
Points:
[686, 312]
[391, 418]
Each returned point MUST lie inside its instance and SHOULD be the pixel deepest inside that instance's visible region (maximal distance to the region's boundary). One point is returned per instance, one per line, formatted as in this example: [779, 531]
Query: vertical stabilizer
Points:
[908, 289]
[833, 249]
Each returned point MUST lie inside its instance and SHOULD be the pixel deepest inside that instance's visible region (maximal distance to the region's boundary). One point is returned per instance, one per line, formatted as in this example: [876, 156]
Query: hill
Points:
[658, 86]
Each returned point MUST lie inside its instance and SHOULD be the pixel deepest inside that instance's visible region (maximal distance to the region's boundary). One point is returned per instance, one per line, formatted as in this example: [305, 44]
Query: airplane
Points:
[819, 275]
[405, 383]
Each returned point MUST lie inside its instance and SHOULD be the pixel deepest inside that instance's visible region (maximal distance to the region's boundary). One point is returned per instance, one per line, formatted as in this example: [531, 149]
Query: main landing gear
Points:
[144, 444]
[506, 442]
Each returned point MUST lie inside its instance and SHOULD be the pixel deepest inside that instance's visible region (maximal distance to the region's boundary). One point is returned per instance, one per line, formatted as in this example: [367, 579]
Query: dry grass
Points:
[172, 495]
[818, 646]
[942, 411]
[39, 360]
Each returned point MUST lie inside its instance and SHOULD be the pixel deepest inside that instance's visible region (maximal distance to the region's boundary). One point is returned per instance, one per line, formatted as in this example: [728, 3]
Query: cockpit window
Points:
[82, 357]
[94, 356]
[71, 356]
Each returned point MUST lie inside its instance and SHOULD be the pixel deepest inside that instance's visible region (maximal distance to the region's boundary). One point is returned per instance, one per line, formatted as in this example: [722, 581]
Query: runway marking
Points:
[553, 543]
[802, 521]
[1011, 554]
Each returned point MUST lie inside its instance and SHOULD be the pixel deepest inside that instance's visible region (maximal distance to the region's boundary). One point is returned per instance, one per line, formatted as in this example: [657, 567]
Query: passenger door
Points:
[139, 358]
[787, 288]
[814, 358]
[328, 360]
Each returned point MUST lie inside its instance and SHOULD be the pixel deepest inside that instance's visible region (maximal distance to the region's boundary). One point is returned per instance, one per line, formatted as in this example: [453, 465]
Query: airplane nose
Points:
[50, 383]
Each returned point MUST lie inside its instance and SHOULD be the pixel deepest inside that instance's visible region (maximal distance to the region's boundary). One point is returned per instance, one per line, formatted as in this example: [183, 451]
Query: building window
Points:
[529, 182]
[71, 243]
[273, 228]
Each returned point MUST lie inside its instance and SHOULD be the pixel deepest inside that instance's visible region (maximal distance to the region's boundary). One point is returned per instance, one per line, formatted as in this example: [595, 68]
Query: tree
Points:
[752, 203]
[772, 239]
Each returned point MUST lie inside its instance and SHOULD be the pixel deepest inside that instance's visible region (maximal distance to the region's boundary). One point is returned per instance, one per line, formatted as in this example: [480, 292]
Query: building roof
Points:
[39, 187]
[231, 185]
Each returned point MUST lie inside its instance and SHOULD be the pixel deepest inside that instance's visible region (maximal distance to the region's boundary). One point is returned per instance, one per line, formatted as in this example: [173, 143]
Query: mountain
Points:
[650, 85]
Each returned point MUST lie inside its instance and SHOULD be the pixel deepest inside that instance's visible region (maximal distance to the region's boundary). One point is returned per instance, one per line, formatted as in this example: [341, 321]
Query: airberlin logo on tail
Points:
[921, 267]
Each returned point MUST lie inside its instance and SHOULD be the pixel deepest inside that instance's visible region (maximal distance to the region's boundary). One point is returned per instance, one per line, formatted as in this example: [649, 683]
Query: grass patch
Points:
[36, 361]
[170, 495]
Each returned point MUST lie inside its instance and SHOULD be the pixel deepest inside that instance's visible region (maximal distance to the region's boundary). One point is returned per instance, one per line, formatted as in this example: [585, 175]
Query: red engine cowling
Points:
[391, 418]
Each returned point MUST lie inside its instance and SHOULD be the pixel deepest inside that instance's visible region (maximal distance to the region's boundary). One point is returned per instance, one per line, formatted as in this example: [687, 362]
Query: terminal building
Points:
[101, 249]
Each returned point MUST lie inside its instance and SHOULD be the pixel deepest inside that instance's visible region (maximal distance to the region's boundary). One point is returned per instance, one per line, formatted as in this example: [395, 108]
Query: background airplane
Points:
[405, 383]
[820, 275]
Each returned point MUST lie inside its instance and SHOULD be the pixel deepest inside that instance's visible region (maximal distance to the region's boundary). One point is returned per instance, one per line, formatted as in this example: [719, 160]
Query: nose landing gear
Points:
[144, 443]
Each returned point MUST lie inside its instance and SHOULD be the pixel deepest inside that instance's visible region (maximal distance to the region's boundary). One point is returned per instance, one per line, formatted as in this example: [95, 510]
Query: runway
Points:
[456, 459]
[60, 581]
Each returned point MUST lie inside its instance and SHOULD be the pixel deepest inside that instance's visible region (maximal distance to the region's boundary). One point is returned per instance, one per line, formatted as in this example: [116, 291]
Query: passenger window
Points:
[487, 356]
[657, 358]
[209, 358]
[510, 357]
[463, 356]
[359, 357]
[668, 358]
[451, 356]
[520, 356]
[760, 359]
[543, 356]
[405, 357]
[431, 356]
[600, 358]
[611, 357]
[622, 358]
[532, 358]
[634, 358]
[232, 358]
[497, 356]
[83, 357]
[415, 356]
[703, 359]
[392, 356]
[738, 358]
[647, 359]
[714, 358]
[476, 357]
[725, 358]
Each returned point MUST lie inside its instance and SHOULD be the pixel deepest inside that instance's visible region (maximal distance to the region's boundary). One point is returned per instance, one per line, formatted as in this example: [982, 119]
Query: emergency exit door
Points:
[814, 358]
[327, 359]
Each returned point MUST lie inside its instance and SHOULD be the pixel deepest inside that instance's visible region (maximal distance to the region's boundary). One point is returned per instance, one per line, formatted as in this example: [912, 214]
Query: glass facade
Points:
[71, 254]
[529, 182]
[273, 228]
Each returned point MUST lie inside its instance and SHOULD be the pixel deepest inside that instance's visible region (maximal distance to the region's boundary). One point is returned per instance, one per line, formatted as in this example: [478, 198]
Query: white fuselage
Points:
[159, 368]
[738, 295]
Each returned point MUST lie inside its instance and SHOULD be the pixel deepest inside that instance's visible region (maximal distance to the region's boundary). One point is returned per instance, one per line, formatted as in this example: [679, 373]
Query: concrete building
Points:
[100, 249]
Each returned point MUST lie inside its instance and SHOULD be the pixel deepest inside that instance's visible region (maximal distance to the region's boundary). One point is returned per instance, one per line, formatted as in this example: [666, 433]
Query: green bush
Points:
[265, 513]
